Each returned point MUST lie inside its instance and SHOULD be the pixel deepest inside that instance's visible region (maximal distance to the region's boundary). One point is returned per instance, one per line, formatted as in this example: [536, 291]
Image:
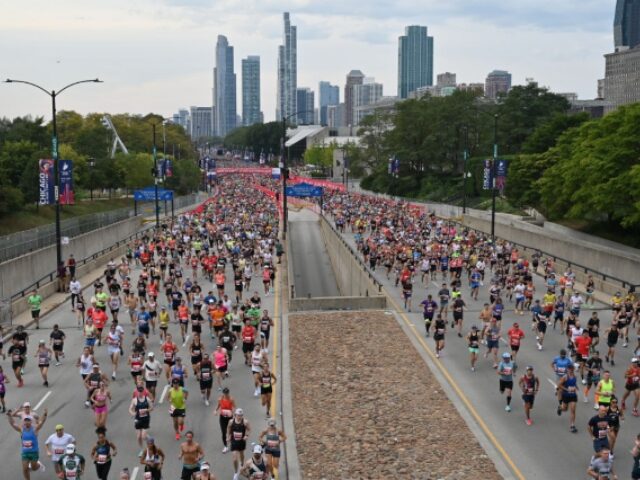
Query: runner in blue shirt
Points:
[505, 372]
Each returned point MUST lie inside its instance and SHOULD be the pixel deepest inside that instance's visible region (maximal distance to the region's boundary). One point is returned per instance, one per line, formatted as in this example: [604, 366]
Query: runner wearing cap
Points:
[225, 408]
[152, 369]
[256, 466]
[29, 440]
[515, 335]
[70, 466]
[505, 372]
[205, 472]
[237, 435]
[56, 444]
[530, 384]
[152, 458]
[632, 384]
[568, 388]
[473, 342]
[271, 438]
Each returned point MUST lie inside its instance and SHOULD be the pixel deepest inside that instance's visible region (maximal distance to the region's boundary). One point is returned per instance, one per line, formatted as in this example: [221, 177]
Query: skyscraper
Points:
[224, 88]
[305, 101]
[363, 95]
[201, 122]
[329, 95]
[415, 60]
[354, 77]
[497, 82]
[251, 90]
[287, 72]
[626, 24]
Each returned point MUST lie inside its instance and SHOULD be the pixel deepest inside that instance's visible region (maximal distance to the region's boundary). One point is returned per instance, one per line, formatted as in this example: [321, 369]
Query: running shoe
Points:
[225, 450]
[559, 410]
[573, 429]
[177, 436]
[507, 408]
[529, 421]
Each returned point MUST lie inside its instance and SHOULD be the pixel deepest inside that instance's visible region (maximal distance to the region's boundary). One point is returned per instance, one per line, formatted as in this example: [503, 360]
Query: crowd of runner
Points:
[414, 249]
[133, 315]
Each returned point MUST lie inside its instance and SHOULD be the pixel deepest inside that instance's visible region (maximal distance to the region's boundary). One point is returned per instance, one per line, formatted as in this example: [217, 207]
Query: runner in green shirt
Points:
[35, 302]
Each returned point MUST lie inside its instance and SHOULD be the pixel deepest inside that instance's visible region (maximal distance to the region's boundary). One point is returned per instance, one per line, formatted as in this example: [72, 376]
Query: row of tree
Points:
[84, 140]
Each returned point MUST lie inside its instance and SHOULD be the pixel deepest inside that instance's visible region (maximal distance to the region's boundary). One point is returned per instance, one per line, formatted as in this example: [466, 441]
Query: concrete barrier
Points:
[20, 272]
[300, 304]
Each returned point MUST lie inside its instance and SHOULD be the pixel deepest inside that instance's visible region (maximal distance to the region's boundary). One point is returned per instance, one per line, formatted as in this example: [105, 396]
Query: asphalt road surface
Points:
[66, 395]
[547, 449]
[312, 268]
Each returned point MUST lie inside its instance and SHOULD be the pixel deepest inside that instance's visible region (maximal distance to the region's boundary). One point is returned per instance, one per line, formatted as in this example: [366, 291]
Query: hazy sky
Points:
[158, 55]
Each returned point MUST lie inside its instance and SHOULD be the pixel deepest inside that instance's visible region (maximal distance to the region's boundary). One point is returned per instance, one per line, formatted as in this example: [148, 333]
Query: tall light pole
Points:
[493, 178]
[465, 158]
[155, 167]
[54, 152]
[284, 173]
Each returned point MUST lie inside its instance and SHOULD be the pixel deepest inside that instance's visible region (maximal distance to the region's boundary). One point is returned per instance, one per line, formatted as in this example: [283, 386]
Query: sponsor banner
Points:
[67, 196]
[486, 175]
[46, 182]
[318, 183]
[275, 173]
[244, 170]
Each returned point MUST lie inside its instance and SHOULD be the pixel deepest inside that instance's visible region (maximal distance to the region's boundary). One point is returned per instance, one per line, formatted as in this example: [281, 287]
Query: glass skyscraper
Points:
[626, 24]
[251, 90]
[415, 60]
[329, 95]
[287, 72]
[224, 88]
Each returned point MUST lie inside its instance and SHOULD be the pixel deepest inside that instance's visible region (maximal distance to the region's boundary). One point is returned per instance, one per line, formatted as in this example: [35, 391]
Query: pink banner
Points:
[318, 183]
[244, 170]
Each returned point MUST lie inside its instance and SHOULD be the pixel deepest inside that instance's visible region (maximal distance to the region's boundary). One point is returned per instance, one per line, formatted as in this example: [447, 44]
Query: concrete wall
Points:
[583, 257]
[20, 272]
[299, 304]
[351, 274]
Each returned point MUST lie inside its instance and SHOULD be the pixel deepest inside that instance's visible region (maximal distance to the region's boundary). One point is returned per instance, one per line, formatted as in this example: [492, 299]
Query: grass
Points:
[32, 216]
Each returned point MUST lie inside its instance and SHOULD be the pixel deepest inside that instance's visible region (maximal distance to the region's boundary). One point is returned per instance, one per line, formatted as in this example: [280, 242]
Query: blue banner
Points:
[168, 168]
[486, 175]
[67, 196]
[46, 182]
[501, 168]
[149, 194]
[304, 190]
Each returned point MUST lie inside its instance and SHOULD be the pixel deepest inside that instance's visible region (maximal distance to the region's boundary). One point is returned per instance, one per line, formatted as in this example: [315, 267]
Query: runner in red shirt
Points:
[169, 350]
[583, 345]
[515, 335]
[632, 384]
[99, 321]
[248, 335]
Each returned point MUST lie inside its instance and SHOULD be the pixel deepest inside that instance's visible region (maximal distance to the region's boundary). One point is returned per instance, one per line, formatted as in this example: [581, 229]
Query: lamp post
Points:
[493, 178]
[465, 157]
[54, 152]
[284, 173]
[155, 168]
[92, 163]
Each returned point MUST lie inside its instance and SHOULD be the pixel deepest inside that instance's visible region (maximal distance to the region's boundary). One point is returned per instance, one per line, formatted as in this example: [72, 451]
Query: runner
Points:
[530, 385]
[612, 334]
[515, 335]
[196, 350]
[178, 372]
[35, 303]
[140, 409]
[599, 429]
[248, 338]
[237, 434]
[458, 313]
[56, 340]
[505, 372]
[492, 335]
[71, 464]
[169, 350]
[258, 359]
[473, 342]
[205, 377]
[29, 440]
[43, 354]
[429, 308]
[567, 386]
[100, 399]
[102, 453]
[153, 460]
[266, 323]
[271, 438]
[256, 467]
[177, 406]
[594, 369]
[114, 343]
[601, 466]
[267, 381]
[440, 329]
[615, 414]
[191, 454]
[152, 370]
[3, 389]
[582, 347]
[221, 362]
[163, 320]
[56, 445]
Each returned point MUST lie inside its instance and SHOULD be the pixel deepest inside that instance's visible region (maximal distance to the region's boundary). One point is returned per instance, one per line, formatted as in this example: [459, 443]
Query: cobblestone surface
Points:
[366, 406]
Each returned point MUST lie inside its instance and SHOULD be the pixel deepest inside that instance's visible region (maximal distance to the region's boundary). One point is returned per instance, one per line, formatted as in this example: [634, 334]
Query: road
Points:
[65, 398]
[312, 268]
[547, 449]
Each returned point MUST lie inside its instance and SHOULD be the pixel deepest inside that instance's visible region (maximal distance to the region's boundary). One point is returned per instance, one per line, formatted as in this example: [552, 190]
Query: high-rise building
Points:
[335, 115]
[224, 88]
[251, 90]
[497, 82]
[626, 24]
[286, 104]
[354, 77]
[305, 101]
[366, 94]
[415, 60]
[446, 79]
[183, 119]
[622, 78]
[329, 95]
[201, 122]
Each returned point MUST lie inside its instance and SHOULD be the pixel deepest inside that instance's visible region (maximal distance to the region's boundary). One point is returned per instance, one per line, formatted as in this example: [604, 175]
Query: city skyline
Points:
[564, 49]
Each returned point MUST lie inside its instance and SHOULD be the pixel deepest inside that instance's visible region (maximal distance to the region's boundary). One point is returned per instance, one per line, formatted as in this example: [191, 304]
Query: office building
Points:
[251, 90]
[366, 94]
[354, 77]
[336, 115]
[183, 119]
[626, 24]
[306, 102]
[446, 79]
[201, 122]
[498, 82]
[286, 104]
[622, 78]
[328, 95]
[224, 88]
[476, 87]
[415, 60]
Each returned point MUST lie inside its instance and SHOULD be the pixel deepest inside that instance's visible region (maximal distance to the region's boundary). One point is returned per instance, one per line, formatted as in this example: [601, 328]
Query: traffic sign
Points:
[304, 190]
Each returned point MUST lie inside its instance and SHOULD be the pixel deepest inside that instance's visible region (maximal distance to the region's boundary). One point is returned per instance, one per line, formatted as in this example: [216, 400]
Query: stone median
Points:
[366, 406]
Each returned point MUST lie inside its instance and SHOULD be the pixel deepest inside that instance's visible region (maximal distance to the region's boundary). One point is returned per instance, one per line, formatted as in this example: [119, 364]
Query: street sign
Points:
[304, 190]
[149, 194]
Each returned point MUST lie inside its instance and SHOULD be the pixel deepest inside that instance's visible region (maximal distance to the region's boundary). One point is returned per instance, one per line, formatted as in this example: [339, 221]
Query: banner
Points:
[318, 183]
[275, 173]
[168, 168]
[67, 196]
[46, 182]
[501, 174]
[486, 175]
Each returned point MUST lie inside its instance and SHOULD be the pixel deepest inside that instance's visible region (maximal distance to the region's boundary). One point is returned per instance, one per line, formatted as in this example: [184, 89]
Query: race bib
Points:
[237, 435]
[102, 458]
[225, 413]
[58, 451]
[27, 444]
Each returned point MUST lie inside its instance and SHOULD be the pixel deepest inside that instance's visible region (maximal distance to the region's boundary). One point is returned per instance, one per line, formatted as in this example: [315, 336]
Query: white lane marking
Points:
[552, 383]
[39, 404]
[134, 473]
[164, 393]
[186, 339]
[505, 342]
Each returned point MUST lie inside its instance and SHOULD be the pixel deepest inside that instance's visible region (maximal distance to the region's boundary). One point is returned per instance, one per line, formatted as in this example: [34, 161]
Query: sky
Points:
[158, 55]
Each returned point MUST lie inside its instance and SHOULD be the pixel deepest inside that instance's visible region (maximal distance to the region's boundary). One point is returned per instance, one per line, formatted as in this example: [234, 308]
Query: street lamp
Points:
[54, 151]
[493, 178]
[92, 163]
[284, 173]
[155, 167]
